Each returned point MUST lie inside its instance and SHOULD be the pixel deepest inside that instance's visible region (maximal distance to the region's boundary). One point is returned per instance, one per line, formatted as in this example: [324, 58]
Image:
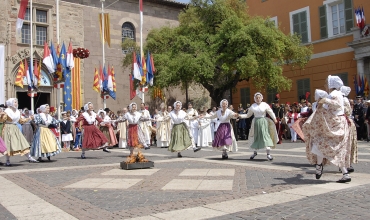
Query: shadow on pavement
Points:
[298, 180]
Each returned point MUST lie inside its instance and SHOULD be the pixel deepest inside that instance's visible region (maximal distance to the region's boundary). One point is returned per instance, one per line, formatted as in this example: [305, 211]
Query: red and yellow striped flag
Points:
[96, 85]
[40, 75]
[21, 73]
[114, 80]
[143, 64]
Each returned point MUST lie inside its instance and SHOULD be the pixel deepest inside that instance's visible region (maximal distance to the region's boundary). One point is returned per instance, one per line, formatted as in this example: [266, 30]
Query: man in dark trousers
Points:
[358, 115]
[241, 124]
[233, 124]
[279, 112]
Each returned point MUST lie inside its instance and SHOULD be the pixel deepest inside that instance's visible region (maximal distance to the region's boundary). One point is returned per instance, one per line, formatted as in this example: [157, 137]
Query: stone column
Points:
[360, 67]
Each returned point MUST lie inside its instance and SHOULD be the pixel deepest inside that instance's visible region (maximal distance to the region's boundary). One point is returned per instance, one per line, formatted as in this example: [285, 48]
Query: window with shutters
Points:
[300, 23]
[128, 32]
[303, 86]
[271, 93]
[343, 77]
[336, 17]
[39, 27]
[245, 96]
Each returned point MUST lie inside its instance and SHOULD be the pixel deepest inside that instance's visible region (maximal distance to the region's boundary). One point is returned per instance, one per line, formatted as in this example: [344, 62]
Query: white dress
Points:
[137, 118]
[146, 125]
[204, 135]
[163, 134]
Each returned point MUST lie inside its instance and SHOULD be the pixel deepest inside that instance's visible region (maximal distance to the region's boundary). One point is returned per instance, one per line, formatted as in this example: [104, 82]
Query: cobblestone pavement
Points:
[198, 186]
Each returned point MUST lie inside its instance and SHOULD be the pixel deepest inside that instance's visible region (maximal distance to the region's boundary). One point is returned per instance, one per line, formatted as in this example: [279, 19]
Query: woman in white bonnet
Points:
[319, 94]
[45, 143]
[327, 132]
[93, 139]
[27, 127]
[224, 139]
[181, 137]
[14, 140]
[263, 129]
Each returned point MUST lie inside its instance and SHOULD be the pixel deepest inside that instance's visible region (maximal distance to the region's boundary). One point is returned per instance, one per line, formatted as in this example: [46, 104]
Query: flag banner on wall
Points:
[2, 74]
[76, 85]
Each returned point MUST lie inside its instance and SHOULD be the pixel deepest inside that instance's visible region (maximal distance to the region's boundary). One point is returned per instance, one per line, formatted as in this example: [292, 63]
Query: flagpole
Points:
[58, 41]
[103, 42]
[31, 61]
[141, 43]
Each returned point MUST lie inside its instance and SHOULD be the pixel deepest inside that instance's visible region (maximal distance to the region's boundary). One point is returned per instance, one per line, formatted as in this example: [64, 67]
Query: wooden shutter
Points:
[296, 24]
[245, 96]
[303, 86]
[348, 13]
[323, 22]
[304, 28]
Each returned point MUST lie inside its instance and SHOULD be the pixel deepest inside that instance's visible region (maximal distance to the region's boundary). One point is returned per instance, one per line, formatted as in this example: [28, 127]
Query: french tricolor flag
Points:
[21, 14]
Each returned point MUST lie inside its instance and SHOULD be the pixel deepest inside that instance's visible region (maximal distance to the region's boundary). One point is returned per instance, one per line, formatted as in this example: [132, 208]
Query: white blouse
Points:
[178, 118]
[89, 118]
[46, 118]
[134, 118]
[222, 118]
[259, 111]
[15, 116]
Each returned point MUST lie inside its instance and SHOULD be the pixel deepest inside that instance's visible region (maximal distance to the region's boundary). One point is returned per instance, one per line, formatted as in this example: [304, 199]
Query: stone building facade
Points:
[79, 23]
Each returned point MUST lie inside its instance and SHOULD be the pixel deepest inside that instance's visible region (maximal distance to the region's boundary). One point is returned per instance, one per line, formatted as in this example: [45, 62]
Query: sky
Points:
[183, 1]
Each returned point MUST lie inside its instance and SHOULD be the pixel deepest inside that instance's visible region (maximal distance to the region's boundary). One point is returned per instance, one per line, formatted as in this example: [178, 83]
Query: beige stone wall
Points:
[79, 22]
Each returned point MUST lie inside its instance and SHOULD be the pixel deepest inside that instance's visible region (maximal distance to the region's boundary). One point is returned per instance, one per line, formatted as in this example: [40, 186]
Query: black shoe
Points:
[40, 160]
[48, 158]
[253, 155]
[106, 151]
[179, 155]
[147, 148]
[345, 178]
[225, 156]
[350, 169]
[197, 149]
[319, 170]
[7, 164]
[83, 156]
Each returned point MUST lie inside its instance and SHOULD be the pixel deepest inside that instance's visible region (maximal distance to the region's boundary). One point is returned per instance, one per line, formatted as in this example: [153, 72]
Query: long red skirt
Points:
[93, 138]
[133, 136]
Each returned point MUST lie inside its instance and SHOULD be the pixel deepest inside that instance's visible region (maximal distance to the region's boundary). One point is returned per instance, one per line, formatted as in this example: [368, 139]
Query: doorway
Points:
[24, 101]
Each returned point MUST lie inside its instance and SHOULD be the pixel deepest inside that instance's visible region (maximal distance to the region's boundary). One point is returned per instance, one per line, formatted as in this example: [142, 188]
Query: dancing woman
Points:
[27, 129]
[224, 138]
[93, 139]
[263, 129]
[163, 127]
[327, 132]
[14, 140]
[181, 138]
[107, 129]
[45, 143]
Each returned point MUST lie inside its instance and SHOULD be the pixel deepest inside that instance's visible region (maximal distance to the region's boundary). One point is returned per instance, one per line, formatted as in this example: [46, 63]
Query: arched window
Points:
[128, 32]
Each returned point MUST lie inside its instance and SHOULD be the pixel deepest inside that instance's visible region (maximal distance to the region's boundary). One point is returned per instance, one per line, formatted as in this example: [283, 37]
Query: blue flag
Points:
[149, 69]
[67, 95]
[31, 77]
[54, 55]
[63, 59]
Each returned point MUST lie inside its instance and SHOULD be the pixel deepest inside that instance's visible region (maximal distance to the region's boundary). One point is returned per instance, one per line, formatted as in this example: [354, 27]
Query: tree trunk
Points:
[186, 94]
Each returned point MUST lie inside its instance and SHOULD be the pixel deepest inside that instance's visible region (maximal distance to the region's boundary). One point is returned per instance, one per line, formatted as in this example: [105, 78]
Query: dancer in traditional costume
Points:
[293, 117]
[14, 140]
[263, 132]
[204, 132]
[27, 129]
[45, 143]
[135, 135]
[163, 120]
[146, 126]
[224, 137]
[122, 127]
[327, 132]
[93, 139]
[65, 127]
[181, 138]
[353, 132]
[106, 128]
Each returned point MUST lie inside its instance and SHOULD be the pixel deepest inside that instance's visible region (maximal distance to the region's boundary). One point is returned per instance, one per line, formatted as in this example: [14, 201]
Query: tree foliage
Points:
[218, 44]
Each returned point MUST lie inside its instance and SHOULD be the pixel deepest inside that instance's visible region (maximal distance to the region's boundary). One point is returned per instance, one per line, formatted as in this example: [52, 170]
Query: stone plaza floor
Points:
[198, 186]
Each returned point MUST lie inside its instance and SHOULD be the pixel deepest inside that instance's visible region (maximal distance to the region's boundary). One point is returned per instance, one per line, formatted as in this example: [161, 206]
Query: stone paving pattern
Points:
[147, 197]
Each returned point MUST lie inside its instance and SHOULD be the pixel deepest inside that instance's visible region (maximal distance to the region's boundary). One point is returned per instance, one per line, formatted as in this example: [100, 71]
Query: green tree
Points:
[218, 44]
